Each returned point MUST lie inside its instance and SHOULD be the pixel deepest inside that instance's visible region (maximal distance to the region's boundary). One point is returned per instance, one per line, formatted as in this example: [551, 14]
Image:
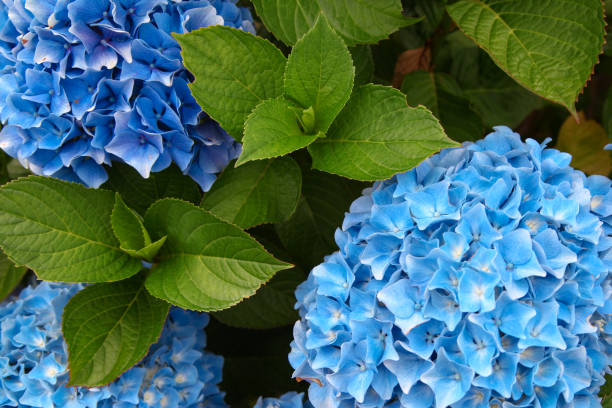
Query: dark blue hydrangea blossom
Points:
[479, 278]
[33, 361]
[87, 82]
[288, 400]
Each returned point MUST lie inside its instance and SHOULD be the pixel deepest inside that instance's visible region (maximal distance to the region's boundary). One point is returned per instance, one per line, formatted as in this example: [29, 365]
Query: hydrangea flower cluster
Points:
[288, 400]
[33, 361]
[87, 82]
[479, 278]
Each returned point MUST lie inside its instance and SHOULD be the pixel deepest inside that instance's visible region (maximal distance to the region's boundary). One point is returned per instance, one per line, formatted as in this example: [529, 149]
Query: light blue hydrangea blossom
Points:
[177, 372]
[87, 82]
[479, 278]
[288, 400]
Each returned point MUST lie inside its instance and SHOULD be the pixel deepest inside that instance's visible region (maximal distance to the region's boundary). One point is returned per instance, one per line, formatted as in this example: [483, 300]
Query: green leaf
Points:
[207, 263]
[549, 46]
[441, 94]
[271, 306]
[148, 252]
[495, 96]
[320, 73]
[502, 101]
[309, 234]
[365, 21]
[128, 227]
[364, 64]
[585, 142]
[357, 21]
[234, 71]
[131, 232]
[62, 231]
[433, 11]
[273, 130]
[288, 20]
[378, 135]
[108, 328]
[139, 193]
[10, 276]
[256, 193]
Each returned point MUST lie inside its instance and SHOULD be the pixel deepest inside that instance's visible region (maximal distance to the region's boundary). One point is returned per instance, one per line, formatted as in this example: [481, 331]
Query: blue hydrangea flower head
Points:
[288, 400]
[84, 83]
[177, 372]
[479, 278]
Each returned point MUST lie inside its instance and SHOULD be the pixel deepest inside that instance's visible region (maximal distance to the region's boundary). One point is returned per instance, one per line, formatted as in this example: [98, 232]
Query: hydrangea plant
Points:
[91, 89]
[177, 372]
[288, 400]
[85, 83]
[479, 278]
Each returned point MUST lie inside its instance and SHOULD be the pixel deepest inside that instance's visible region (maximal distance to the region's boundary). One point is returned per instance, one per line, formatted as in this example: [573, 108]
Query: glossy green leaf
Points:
[288, 20]
[365, 21]
[206, 263]
[548, 46]
[62, 231]
[271, 306]
[237, 70]
[10, 276]
[255, 193]
[378, 135]
[128, 226]
[309, 234]
[139, 193]
[108, 328]
[320, 74]
[273, 130]
[357, 21]
[442, 96]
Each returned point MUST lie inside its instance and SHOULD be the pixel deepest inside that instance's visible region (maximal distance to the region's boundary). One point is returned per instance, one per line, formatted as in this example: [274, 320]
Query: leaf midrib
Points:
[59, 231]
[105, 335]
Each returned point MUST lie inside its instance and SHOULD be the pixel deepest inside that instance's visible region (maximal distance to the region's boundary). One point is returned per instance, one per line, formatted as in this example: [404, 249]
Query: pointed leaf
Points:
[10, 276]
[288, 20]
[272, 130]
[377, 135]
[365, 21]
[357, 21]
[148, 252]
[548, 46]
[128, 227]
[234, 71]
[256, 193]
[206, 263]
[108, 328]
[320, 74]
[62, 231]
